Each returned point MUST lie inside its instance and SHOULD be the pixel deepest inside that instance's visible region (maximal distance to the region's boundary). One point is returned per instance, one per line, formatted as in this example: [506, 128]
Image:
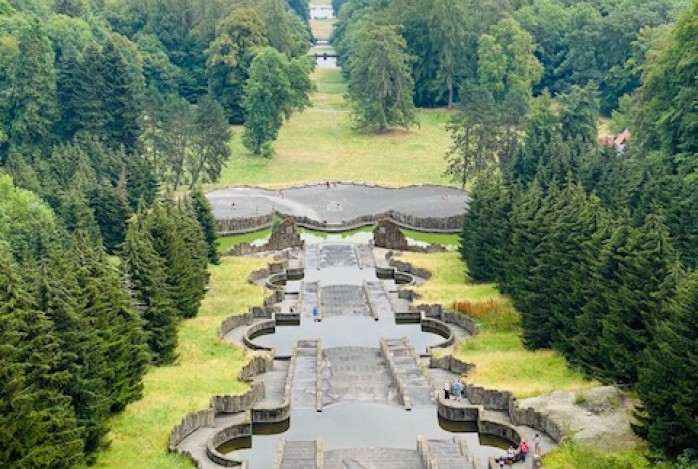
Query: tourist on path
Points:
[456, 390]
[523, 449]
[511, 455]
[447, 390]
[536, 444]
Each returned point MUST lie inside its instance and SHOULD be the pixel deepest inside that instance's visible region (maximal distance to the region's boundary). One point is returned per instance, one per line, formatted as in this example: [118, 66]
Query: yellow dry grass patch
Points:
[206, 366]
[501, 360]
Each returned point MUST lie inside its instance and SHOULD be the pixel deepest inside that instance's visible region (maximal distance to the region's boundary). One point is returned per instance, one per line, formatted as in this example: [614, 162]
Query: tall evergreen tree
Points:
[486, 229]
[211, 142]
[645, 281]
[106, 306]
[83, 354]
[43, 426]
[669, 374]
[150, 292]
[380, 86]
[204, 216]
[178, 240]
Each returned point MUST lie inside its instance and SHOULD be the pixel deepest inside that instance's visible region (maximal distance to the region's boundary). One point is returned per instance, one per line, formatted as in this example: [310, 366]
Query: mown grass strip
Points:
[320, 144]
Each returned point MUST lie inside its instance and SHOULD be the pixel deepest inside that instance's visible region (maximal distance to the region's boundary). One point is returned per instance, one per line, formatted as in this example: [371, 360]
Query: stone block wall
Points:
[239, 402]
[190, 423]
[268, 326]
[244, 225]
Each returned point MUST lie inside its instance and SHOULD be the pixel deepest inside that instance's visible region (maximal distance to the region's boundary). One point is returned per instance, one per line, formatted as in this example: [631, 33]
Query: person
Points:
[447, 390]
[456, 390]
[501, 461]
[523, 449]
[281, 193]
[292, 309]
[536, 444]
[511, 455]
[328, 184]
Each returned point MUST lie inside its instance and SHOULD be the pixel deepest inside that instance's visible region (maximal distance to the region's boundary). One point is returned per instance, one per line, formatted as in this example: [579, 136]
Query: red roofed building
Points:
[618, 141]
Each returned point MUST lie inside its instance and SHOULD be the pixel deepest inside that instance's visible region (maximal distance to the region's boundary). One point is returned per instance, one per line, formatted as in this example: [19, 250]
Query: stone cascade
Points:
[444, 454]
[311, 256]
[310, 298]
[365, 256]
[379, 301]
[305, 375]
[403, 363]
[298, 455]
[338, 255]
[383, 458]
[343, 300]
[355, 374]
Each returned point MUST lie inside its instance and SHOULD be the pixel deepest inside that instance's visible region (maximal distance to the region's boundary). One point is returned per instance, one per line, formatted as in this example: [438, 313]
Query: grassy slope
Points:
[319, 144]
[206, 366]
[502, 362]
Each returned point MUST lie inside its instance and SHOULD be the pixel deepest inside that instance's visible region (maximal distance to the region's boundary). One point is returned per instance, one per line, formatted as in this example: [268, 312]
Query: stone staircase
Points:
[305, 376]
[297, 455]
[372, 458]
[355, 374]
[337, 255]
[443, 454]
[410, 380]
[365, 256]
[378, 300]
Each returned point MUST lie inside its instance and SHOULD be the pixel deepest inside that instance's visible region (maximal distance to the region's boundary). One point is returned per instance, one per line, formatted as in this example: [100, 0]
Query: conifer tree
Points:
[204, 216]
[42, 425]
[83, 352]
[151, 294]
[486, 229]
[646, 267]
[669, 374]
[106, 305]
[178, 240]
[111, 211]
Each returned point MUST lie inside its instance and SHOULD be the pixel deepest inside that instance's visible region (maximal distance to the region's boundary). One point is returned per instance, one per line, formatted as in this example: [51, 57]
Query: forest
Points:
[595, 244]
[113, 113]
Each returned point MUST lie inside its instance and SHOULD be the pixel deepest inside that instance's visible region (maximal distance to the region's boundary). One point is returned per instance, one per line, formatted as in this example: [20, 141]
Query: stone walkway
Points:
[339, 203]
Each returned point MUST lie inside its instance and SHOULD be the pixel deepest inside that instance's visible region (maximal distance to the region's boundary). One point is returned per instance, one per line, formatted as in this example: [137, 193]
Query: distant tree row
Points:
[506, 47]
[597, 247]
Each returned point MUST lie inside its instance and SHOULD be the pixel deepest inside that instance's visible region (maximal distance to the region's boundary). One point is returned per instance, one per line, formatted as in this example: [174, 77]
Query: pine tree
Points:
[150, 292]
[42, 424]
[105, 304]
[83, 353]
[111, 211]
[178, 240]
[669, 374]
[204, 216]
[486, 231]
[646, 267]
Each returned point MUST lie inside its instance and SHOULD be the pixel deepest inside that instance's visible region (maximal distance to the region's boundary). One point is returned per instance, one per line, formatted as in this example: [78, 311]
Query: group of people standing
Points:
[453, 388]
[520, 453]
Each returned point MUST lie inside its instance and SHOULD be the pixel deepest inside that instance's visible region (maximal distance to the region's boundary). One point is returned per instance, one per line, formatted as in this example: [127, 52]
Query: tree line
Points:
[598, 246]
[79, 327]
[433, 53]
[99, 259]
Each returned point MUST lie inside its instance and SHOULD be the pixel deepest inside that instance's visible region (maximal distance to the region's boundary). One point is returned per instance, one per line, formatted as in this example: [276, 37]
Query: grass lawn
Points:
[502, 362]
[206, 366]
[320, 144]
[322, 28]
